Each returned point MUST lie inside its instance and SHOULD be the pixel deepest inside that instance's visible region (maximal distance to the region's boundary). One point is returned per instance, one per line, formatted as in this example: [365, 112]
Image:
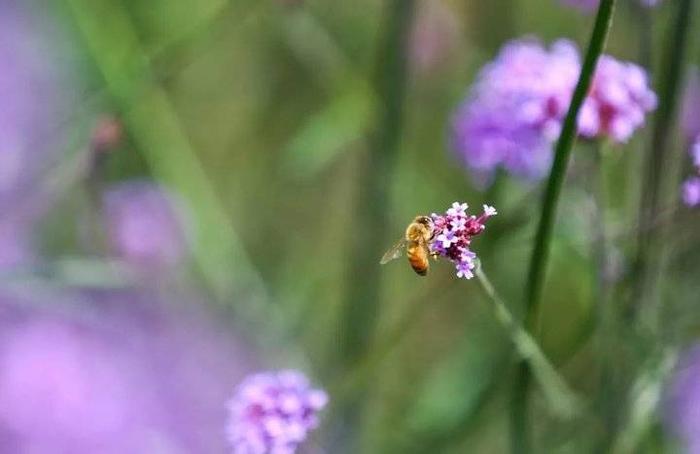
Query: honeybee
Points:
[416, 241]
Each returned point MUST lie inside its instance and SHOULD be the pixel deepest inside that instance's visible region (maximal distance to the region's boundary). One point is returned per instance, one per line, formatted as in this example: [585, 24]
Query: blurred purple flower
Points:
[112, 372]
[453, 234]
[591, 5]
[35, 98]
[515, 110]
[273, 413]
[617, 102]
[145, 224]
[683, 400]
[691, 191]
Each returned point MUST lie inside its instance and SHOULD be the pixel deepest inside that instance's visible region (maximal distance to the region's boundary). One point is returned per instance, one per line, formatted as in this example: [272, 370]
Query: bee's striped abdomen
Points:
[418, 258]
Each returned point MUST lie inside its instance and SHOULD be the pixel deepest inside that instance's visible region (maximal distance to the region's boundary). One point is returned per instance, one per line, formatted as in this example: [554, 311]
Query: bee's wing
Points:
[395, 252]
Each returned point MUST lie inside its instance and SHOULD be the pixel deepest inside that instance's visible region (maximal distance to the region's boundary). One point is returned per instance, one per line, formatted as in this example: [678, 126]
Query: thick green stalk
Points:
[657, 171]
[540, 254]
[360, 305]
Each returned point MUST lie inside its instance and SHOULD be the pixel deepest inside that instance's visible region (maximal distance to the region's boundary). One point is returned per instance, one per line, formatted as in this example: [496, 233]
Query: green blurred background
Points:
[269, 119]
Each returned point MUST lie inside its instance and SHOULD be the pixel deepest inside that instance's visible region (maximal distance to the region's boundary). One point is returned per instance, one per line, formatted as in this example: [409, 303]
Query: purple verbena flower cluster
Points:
[515, 110]
[617, 102]
[453, 236]
[273, 412]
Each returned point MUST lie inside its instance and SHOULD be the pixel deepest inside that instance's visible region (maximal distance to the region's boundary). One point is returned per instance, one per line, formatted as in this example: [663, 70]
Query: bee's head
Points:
[425, 220]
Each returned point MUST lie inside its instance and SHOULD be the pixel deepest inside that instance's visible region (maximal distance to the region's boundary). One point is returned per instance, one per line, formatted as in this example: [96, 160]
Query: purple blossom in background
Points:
[515, 110]
[145, 225]
[618, 100]
[683, 401]
[112, 372]
[453, 235]
[691, 191]
[273, 413]
[591, 5]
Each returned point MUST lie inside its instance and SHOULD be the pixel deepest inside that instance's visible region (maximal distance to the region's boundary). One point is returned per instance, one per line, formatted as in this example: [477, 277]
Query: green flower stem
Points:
[540, 254]
[559, 396]
[660, 165]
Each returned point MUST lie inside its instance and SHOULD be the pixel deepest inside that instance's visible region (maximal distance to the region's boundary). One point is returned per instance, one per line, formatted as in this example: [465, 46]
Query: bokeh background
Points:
[292, 142]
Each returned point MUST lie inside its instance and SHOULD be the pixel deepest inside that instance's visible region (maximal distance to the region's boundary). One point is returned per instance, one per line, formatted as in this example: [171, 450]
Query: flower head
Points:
[617, 102]
[515, 110]
[273, 412]
[691, 191]
[453, 235]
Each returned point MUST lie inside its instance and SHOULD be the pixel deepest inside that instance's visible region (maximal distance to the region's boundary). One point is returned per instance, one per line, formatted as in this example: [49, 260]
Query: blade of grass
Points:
[561, 399]
[519, 436]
